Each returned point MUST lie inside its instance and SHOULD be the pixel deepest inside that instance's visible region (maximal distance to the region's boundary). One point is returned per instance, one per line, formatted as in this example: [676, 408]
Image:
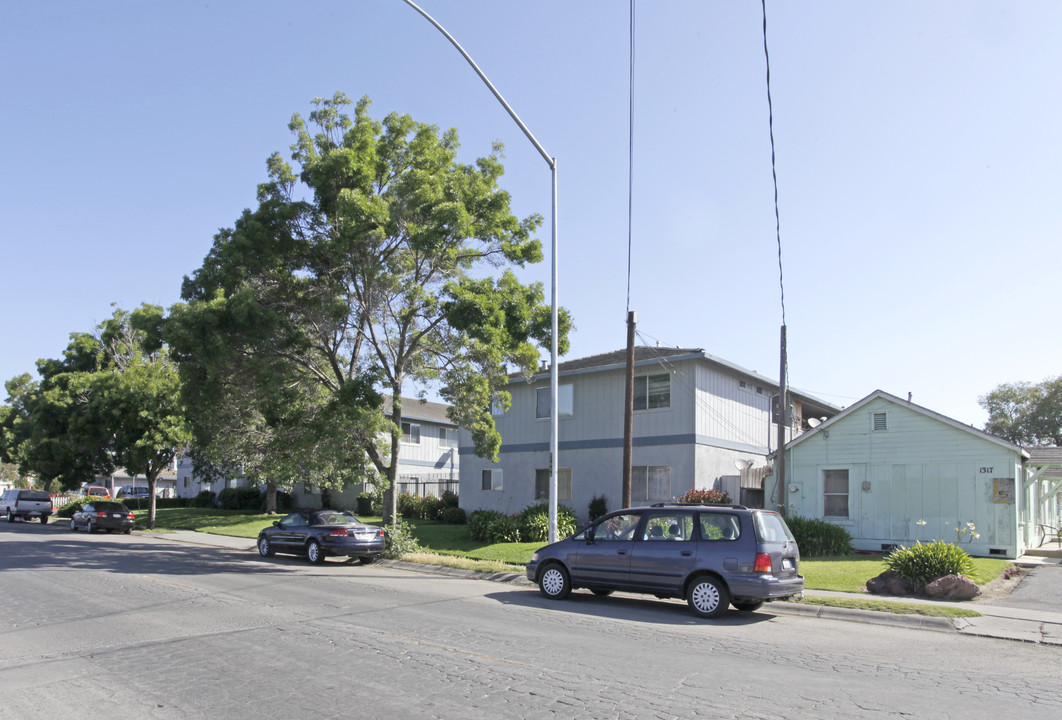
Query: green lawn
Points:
[840, 574]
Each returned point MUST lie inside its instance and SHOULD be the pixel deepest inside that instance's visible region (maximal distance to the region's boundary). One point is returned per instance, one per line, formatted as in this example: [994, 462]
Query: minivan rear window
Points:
[770, 527]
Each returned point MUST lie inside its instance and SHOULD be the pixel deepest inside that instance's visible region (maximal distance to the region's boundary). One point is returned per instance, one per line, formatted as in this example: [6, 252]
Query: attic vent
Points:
[880, 422]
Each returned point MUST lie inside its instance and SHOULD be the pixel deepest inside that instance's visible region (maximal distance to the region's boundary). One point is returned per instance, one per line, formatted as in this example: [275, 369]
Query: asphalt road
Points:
[133, 626]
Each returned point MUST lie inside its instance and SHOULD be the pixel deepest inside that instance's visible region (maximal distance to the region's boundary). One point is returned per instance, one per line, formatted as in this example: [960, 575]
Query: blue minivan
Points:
[713, 556]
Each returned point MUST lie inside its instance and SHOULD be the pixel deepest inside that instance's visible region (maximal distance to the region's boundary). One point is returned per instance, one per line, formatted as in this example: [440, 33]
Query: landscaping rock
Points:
[890, 582]
[952, 587]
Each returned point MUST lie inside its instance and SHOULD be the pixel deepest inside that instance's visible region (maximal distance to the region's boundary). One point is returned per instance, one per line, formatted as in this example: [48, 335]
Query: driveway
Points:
[1041, 589]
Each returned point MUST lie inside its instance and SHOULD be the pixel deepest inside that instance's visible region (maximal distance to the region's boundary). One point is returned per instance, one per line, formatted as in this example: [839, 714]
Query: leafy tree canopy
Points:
[366, 265]
[1025, 413]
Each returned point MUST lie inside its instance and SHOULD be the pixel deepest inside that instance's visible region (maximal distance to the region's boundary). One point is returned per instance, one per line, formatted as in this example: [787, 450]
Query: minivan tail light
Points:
[763, 563]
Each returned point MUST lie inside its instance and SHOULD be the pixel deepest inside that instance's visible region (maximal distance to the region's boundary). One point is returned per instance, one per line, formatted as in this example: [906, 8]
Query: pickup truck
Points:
[26, 504]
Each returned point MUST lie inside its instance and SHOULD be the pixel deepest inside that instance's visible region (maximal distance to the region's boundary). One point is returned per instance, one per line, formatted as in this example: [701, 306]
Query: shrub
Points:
[924, 563]
[365, 501]
[407, 505]
[72, 507]
[598, 507]
[429, 507]
[533, 522]
[174, 502]
[452, 516]
[400, 540]
[449, 498]
[248, 498]
[205, 499]
[818, 538]
[502, 529]
[479, 521]
[706, 497]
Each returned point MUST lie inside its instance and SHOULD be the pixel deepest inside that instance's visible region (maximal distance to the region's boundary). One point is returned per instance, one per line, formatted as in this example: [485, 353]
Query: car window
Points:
[35, 495]
[617, 527]
[295, 520]
[770, 527]
[334, 518]
[668, 527]
[720, 526]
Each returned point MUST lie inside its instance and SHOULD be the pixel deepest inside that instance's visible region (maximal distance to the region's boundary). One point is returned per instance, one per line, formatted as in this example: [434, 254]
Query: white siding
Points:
[918, 469]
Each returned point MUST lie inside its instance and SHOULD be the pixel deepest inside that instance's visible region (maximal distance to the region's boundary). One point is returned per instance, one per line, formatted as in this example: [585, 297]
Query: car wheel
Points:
[707, 597]
[10, 517]
[264, 548]
[44, 519]
[554, 582]
[88, 527]
[314, 553]
[748, 605]
[601, 591]
[73, 525]
[366, 559]
[128, 531]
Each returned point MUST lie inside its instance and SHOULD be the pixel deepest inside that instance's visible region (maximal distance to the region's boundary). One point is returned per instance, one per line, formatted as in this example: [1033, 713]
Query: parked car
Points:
[96, 491]
[710, 555]
[106, 515]
[320, 533]
[134, 492]
[26, 504]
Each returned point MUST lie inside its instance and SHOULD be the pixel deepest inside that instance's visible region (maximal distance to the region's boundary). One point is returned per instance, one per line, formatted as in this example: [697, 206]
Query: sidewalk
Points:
[996, 621]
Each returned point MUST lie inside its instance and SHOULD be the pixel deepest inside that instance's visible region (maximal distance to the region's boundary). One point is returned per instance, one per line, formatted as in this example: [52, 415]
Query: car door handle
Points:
[621, 552]
[687, 553]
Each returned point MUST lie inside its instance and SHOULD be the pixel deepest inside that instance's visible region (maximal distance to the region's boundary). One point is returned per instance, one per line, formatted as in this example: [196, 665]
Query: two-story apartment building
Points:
[428, 461]
[699, 422]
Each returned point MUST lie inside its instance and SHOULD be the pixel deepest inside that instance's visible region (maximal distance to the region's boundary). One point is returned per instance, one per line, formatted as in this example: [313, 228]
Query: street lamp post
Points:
[554, 425]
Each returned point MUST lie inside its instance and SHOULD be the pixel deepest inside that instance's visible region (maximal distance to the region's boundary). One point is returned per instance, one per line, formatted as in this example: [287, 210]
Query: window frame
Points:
[645, 471]
[834, 494]
[564, 481]
[644, 398]
[491, 480]
[448, 437]
[408, 435]
[565, 398]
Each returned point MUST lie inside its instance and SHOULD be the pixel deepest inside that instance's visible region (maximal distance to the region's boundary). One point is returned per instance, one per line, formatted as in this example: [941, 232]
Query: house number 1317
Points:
[987, 470]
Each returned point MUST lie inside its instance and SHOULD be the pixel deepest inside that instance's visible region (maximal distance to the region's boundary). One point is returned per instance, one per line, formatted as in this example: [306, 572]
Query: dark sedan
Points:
[320, 533]
[103, 515]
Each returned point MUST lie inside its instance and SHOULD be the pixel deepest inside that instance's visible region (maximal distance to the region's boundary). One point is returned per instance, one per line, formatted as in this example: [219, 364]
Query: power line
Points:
[630, 159]
[774, 172]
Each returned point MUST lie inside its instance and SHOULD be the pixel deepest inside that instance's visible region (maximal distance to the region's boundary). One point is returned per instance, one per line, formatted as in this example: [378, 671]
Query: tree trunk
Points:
[390, 509]
[271, 498]
[152, 478]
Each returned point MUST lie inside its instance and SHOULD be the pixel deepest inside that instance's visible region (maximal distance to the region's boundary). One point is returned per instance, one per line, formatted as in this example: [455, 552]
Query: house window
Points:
[564, 484]
[492, 479]
[835, 493]
[881, 421]
[448, 437]
[411, 433]
[651, 483]
[564, 399]
[652, 391]
[496, 407]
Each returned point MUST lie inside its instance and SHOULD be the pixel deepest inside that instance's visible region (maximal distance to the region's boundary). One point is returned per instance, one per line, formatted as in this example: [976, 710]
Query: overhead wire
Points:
[630, 158]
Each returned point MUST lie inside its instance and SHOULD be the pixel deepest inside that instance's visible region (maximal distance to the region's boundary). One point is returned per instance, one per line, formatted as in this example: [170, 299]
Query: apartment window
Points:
[651, 483]
[411, 433]
[835, 493]
[448, 437]
[492, 479]
[652, 391]
[564, 399]
[564, 484]
[496, 407]
[880, 421]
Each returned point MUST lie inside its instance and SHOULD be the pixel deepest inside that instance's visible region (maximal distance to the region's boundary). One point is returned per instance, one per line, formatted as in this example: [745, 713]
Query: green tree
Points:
[364, 268]
[1025, 413]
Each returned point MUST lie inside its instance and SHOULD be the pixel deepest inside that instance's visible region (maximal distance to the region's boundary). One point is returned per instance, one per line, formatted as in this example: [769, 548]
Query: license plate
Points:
[117, 515]
[787, 563]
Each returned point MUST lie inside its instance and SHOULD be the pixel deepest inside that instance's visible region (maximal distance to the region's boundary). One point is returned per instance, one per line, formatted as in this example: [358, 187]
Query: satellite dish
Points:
[743, 464]
[814, 422]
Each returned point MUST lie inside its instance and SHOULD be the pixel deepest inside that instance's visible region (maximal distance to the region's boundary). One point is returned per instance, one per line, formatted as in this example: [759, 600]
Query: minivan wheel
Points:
[748, 605]
[707, 597]
[554, 582]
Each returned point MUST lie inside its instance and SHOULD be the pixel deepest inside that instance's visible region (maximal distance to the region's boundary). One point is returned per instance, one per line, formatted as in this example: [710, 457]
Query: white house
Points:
[428, 461]
[893, 473]
[699, 422]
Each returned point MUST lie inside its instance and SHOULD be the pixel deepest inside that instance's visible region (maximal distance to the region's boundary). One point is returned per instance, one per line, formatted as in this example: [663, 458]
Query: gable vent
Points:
[880, 422]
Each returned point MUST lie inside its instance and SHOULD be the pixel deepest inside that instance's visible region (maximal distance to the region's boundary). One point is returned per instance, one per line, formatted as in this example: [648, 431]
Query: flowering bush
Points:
[925, 562]
[706, 497]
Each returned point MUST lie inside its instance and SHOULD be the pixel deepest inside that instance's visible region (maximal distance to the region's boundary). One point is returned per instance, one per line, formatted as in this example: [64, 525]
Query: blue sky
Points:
[918, 158]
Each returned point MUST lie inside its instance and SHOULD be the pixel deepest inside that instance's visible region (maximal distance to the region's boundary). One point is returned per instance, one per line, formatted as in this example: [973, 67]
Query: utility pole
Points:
[783, 420]
[628, 411]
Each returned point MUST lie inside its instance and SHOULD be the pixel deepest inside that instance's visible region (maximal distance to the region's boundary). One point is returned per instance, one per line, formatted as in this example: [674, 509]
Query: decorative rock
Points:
[952, 587]
[890, 582]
